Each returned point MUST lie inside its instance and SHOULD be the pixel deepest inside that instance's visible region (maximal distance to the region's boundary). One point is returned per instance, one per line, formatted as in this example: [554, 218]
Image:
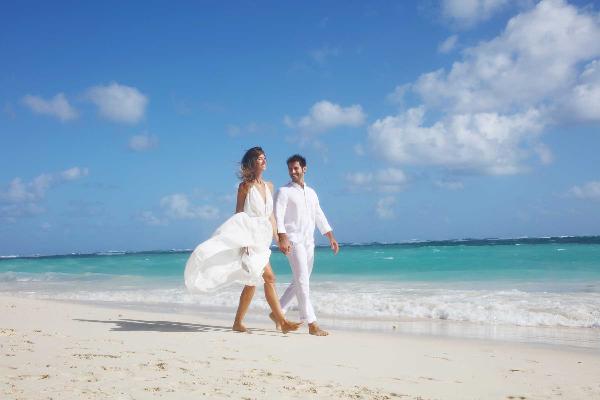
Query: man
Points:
[297, 210]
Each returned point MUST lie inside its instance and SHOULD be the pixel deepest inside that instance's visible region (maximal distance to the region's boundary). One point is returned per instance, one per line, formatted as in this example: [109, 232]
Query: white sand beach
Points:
[57, 350]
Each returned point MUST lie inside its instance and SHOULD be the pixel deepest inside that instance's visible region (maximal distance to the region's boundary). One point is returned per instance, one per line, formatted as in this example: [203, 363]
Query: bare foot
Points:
[277, 324]
[314, 329]
[289, 326]
[239, 327]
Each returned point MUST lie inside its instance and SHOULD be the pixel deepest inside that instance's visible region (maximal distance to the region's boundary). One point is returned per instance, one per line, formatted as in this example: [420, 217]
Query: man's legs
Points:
[298, 258]
[290, 291]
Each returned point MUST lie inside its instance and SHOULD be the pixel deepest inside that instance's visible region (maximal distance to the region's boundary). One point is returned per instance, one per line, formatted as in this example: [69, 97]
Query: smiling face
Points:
[260, 164]
[296, 172]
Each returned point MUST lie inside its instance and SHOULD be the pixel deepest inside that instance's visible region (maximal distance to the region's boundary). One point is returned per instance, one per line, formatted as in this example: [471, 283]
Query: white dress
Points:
[238, 251]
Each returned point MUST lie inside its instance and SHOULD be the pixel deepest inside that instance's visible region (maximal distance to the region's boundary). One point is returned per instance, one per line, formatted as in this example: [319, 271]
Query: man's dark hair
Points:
[298, 158]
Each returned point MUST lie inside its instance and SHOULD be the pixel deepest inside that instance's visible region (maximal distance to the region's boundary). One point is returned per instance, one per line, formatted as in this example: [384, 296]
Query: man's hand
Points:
[284, 243]
[332, 242]
[334, 246]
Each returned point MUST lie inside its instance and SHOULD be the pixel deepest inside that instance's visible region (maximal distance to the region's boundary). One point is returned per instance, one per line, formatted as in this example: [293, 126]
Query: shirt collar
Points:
[295, 185]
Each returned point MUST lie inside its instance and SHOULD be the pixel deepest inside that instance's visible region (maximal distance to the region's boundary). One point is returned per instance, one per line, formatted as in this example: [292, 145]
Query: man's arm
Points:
[324, 226]
[332, 242]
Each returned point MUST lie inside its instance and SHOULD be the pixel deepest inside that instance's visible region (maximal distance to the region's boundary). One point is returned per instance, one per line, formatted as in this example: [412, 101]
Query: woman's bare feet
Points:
[287, 326]
[314, 329]
[239, 327]
[277, 324]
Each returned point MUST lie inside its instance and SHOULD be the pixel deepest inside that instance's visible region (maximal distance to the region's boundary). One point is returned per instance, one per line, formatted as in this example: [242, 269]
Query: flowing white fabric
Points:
[238, 251]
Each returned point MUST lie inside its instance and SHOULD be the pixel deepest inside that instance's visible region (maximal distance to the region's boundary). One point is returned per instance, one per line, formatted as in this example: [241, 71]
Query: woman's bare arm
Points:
[241, 196]
[272, 217]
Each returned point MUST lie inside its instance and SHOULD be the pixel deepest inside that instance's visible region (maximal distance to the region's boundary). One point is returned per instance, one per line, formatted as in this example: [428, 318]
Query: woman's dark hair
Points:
[297, 158]
[248, 162]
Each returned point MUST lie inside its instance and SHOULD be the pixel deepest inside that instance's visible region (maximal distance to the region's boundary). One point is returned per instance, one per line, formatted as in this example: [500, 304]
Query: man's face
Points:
[296, 172]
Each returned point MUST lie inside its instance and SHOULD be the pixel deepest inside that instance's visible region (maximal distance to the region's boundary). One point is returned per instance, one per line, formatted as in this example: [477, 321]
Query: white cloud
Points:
[448, 45]
[397, 96]
[385, 180]
[359, 178]
[21, 198]
[119, 103]
[325, 115]
[143, 142]
[178, 206]
[495, 102]
[58, 106]
[588, 191]
[74, 173]
[531, 64]
[467, 13]
[19, 191]
[148, 218]
[584, 99]
[485, 142]
[385, 207]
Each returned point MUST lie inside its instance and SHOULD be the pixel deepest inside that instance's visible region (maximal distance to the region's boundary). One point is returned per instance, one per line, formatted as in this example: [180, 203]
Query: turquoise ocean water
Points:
[541, 289]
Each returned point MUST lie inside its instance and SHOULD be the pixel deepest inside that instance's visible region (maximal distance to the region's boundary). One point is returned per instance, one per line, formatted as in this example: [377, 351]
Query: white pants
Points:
[301, 259]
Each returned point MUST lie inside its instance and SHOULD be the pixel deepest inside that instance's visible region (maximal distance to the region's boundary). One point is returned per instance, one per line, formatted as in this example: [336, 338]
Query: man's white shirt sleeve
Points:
[320, 218]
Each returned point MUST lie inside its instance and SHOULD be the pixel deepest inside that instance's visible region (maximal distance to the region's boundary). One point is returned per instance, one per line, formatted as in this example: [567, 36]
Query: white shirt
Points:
[297, 211]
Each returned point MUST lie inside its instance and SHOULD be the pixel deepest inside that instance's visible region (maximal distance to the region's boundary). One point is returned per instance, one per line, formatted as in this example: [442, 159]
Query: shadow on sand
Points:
[138, 325]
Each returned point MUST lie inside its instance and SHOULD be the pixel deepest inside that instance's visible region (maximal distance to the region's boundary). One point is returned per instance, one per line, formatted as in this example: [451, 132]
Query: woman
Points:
[239, 249]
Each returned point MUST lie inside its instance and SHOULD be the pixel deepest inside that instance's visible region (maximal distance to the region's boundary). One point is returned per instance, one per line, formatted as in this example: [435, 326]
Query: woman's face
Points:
[261, 163]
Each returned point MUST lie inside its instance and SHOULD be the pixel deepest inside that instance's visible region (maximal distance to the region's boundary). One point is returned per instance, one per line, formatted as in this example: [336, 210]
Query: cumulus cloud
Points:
[119, 103]
[533, 62]
[467, 13]
[491, 107]
[20, 198]
[448, 45]
[178, 206]
[385, 207]
[587, 191]
[143, 142]
[58, 106]
[488, 142]
[324, 116]
[583, 101]
[385, 180]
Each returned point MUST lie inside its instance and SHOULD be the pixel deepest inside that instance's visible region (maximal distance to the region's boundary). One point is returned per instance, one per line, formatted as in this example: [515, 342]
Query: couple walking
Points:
[239, 250]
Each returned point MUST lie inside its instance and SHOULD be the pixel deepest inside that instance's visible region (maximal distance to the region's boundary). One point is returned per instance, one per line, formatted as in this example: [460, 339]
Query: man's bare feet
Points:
[314, 329]
[239, 327]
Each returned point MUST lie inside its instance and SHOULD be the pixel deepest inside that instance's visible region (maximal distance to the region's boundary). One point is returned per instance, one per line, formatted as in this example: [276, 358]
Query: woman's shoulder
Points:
[244, 186]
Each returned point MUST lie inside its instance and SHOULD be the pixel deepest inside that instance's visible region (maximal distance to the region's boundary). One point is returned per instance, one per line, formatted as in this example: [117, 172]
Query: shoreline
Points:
[552, 336]
[66, 350]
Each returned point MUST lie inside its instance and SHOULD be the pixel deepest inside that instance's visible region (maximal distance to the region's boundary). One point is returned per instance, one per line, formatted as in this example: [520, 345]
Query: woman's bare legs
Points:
[271, 295]
[245, 299]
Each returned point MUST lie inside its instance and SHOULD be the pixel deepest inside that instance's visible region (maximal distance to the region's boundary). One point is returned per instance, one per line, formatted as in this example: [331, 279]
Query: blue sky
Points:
[121, 125]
